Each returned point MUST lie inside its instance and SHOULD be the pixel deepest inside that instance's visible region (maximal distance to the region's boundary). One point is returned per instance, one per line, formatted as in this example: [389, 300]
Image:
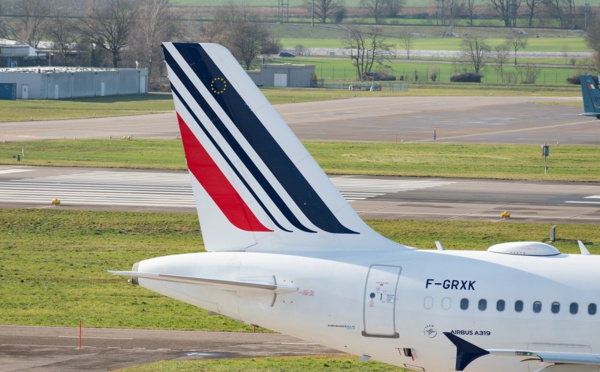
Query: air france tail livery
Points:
[287, 252]
[591, 96]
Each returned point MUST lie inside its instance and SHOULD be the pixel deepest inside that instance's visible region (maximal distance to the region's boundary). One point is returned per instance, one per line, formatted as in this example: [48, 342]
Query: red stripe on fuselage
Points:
[216, 184]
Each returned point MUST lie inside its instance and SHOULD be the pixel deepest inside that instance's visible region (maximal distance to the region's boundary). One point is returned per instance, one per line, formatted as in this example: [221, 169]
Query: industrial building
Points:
[284, 75]
[73, 82]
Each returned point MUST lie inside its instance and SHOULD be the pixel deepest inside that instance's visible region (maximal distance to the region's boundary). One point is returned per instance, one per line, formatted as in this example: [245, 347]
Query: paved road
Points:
[55, 349]
[371, 197]
[408, 119]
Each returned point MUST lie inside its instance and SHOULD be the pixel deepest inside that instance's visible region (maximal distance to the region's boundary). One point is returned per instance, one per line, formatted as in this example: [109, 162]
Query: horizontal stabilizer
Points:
[224, 284]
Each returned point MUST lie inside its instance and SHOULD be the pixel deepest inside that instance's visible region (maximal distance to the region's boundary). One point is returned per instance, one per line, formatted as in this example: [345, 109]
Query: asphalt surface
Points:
[401, 119]
[371, 197]
[56, 349]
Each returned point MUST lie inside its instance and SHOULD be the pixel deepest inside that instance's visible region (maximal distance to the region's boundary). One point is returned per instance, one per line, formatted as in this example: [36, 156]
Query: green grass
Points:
[342, 69]
[54, 262]
[332, 363]
[518, 162]
[550, 44]
[26, 110]
[115, 153]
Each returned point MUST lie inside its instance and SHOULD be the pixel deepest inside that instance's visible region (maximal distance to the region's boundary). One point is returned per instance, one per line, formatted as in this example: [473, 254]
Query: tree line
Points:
[128, 33]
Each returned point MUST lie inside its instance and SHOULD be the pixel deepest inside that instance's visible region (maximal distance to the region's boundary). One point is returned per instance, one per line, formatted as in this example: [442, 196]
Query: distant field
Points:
[554, 44]
[347, 3]
[343, 69]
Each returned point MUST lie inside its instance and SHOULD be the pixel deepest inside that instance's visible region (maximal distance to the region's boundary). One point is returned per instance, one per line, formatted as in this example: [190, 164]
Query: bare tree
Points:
[155, 23]
[240, 30]
[475, 52]
[324, 9]
[3, 23]
[407, 40]
[532, 10]
[502, 53]
[470, 6]
[64, 34]
[592, 39]
[375, 7]
[555, 10]
[27, 26]
[506, 10]
[108, 25]
[393, 7]
[515, 42]
[564, 10]
[367, 48]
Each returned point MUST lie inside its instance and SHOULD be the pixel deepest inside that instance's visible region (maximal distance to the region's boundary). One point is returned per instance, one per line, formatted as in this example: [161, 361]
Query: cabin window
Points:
[519, 306]
[464, 303]
[482, 304]
[555, 308]
[573, 308]
[537, 306]
[500, 305]
[592, 309]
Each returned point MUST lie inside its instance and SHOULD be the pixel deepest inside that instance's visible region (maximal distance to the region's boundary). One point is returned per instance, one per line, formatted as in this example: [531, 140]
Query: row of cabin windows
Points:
[536, 307]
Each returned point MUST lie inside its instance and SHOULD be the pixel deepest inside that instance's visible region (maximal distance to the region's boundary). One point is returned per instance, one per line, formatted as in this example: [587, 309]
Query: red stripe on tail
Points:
[216, 184]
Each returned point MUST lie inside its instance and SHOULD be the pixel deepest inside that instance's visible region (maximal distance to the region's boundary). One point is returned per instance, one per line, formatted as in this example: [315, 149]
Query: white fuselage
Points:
[391, 305]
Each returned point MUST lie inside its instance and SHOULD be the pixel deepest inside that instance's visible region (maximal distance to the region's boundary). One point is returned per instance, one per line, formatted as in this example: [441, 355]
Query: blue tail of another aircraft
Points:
[591, 96]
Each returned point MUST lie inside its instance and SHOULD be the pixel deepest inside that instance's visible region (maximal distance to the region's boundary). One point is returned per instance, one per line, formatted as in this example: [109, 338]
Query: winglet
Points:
[466, 352]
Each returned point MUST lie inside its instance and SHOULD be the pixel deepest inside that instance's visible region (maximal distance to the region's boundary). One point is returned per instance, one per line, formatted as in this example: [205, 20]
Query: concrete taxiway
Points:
[371, 197]
[56, 349]
[489, 119]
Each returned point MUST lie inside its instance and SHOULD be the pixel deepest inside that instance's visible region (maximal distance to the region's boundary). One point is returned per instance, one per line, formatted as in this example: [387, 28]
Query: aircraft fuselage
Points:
[395, 307]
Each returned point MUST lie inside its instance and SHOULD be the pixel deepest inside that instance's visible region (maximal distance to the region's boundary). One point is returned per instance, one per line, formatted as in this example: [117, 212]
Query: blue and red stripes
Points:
[272, 155]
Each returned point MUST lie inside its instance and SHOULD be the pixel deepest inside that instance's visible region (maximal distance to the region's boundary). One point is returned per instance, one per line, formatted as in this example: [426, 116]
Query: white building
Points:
[74, 82]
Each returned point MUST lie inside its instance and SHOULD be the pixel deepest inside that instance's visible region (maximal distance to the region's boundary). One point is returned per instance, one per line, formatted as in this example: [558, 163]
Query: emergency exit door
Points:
[380, 301]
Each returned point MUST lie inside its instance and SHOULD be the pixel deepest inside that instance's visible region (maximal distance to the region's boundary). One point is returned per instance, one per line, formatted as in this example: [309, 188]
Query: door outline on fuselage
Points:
[379, 306]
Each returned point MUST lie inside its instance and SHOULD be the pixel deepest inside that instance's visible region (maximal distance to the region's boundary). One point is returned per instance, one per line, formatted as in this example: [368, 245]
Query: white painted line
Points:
[99, 338]
[580, 202]
[8, 171]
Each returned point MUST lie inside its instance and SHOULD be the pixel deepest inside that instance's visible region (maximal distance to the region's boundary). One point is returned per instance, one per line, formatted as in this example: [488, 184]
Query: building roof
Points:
[54, 70]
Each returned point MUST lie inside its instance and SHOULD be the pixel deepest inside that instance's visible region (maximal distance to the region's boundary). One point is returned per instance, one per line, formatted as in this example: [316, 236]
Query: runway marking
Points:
[99, 338]
[507, 131]
[353, 108]
[9, 171]
[154, 189]
[585, 201]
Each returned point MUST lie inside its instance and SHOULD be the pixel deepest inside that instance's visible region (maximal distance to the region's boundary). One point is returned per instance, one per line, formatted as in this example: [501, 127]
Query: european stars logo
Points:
[218, 85]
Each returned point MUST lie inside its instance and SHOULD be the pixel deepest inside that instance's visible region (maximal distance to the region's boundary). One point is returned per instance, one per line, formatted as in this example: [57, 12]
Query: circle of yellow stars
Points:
[218, 85]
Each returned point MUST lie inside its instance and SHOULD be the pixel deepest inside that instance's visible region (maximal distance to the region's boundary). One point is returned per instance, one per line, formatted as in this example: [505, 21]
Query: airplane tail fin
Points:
[256, 187]
[591, 96]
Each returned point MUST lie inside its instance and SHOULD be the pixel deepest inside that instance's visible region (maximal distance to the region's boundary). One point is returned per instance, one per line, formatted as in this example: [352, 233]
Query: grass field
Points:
[519, 162]
[335, 69]
[333, 363]
[550, 44]
[26, 110]
[54, 262]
